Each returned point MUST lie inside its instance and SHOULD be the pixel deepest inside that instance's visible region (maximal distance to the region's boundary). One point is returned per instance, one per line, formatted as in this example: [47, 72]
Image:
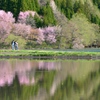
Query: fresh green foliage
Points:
[84, 29]
[70, 7]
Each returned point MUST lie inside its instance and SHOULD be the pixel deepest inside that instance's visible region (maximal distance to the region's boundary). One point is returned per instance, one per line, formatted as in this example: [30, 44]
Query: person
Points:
[16, 45]
[12, 45]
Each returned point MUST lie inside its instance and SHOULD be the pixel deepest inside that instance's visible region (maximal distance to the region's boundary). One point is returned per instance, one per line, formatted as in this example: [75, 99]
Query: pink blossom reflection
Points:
[24, 69]
[6, 73]
[48, 65]
[10, 68]
[23, 79]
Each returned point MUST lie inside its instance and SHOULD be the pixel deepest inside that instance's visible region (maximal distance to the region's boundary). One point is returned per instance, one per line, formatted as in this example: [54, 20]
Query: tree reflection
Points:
[24, 69]
[49, 80]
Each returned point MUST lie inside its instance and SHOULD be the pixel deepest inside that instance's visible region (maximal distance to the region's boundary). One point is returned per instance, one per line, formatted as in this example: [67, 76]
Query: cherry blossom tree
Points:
[21, 29]
[41, 36]
[6, 16]
[30, 21]
[6, 22]
[24, 15]
[5, 29]
[49, 34]
[24, 27]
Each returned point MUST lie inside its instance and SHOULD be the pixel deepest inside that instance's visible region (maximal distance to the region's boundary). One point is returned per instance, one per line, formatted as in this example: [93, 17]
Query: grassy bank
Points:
[48, 54]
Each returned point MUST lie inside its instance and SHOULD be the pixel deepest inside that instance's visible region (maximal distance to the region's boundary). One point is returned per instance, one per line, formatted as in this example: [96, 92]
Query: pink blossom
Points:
[7, 17]
[41, 36]
[6, 74]
[5, 29]
[49, 34]
[23, 16]
[6, 23]
[21, 29]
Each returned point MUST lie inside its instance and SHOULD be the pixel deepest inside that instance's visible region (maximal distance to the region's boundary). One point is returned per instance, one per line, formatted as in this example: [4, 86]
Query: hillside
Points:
[77, 20]
[83, 16]
[88, 7]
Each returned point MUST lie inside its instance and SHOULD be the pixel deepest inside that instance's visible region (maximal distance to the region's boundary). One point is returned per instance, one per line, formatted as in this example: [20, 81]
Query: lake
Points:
[22, 79]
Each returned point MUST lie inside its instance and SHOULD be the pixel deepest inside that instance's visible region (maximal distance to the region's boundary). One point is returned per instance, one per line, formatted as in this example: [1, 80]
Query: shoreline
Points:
[48, 54]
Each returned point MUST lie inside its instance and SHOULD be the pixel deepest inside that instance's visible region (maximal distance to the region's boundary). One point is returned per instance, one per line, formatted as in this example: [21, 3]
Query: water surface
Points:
[49, 80]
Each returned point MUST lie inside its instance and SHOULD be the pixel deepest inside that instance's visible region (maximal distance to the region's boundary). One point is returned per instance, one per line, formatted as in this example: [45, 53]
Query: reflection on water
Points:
[24, 69]
[49, 80]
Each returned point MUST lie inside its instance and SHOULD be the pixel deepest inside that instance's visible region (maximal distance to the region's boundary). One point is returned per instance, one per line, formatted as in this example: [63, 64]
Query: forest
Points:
[50, 24]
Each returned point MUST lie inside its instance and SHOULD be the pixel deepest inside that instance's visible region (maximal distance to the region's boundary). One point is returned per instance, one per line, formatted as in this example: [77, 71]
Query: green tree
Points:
[38, 21]
[97, 3]
[48, 16]
[30, 5]
[11, 5]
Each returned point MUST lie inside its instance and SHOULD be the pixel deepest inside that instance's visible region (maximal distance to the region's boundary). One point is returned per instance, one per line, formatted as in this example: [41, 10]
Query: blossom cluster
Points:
[49, 34]
[23, 27]
[6, 20]
[22, 18]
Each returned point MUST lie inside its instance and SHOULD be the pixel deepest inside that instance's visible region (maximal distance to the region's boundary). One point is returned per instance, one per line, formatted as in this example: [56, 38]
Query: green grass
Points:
[53, 53]
[21, 41]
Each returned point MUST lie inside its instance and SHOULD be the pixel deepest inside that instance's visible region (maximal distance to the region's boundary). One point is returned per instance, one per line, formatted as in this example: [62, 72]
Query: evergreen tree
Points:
[19, 4]
[48, 17]
[38, 21]
[3, 4]
[97, 3]
[30, 5]
[11, 5]
[66, 6]
[76, 6]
